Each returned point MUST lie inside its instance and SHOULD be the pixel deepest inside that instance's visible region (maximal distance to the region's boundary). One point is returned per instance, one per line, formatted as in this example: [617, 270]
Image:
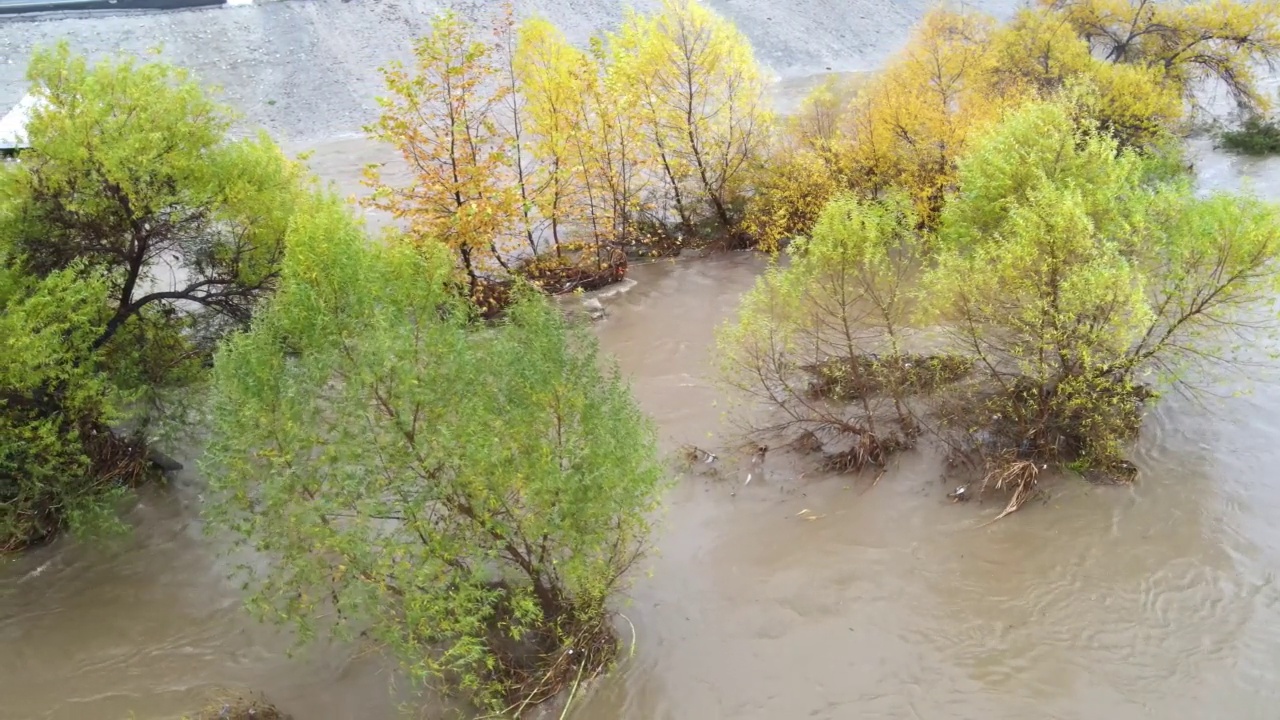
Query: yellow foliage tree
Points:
[1222, 40]
[442, 118]
[917, 116]
[700, 95]
[586, 132]
[621, 162]
[789, 193]
[523, 161]
[1130, 67]
[806, 168]
[549, 74]
[1040, 53]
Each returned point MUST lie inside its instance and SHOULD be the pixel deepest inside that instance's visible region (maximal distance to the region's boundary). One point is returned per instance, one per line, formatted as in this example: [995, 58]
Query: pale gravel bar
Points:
[306, 70]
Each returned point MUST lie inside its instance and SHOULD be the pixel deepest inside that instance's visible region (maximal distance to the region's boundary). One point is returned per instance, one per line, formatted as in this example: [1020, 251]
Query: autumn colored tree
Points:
[586, 145]
[549, 73]
[807, 165]
[619, 151]
[1187, 43]
[886, 138]
[523, 159]
[701, 98]
[444, 119]
[790, 189]
[911, 140]
[586, 124]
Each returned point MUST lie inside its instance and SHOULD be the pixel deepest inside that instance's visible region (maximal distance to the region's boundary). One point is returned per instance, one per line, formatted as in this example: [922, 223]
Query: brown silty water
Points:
[798, 596]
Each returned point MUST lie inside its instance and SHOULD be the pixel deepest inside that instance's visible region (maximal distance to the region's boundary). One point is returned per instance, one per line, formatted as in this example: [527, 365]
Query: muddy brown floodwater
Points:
[798, 596]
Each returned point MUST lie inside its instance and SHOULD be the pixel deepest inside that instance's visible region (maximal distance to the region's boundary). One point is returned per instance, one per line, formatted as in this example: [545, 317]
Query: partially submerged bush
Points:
[468, 498]
[1256, 136]
[1068, 275]
[910, 374]
[829, 327]
[240, 706]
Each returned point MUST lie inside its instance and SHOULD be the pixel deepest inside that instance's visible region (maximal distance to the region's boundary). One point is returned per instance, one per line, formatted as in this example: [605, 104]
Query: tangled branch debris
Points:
[240, 706]
[1017, 477]
[532, 676]
[863, 376]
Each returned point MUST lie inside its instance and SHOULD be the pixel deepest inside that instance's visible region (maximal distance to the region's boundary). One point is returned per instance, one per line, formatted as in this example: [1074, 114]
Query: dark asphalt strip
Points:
[20, 7]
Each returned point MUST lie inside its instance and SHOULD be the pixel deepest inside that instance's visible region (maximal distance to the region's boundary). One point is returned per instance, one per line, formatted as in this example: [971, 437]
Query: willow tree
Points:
[885, 138]
[444, 119]
[469, 499]
[134, 234]
[701, 97]
[548, 70]
[1188, 43]
[524, 160]
[824, 342]
[1073, 276]
[808, 164]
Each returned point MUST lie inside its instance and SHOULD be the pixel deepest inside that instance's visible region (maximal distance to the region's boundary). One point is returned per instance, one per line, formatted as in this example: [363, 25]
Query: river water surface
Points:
[797, 596]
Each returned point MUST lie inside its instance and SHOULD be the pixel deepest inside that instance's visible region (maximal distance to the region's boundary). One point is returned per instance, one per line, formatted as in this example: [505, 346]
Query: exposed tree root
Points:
[531, 678]
[111, 461]
[869, 450]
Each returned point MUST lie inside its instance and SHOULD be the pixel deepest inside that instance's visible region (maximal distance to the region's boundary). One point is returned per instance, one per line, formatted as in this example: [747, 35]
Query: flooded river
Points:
[1152, 601]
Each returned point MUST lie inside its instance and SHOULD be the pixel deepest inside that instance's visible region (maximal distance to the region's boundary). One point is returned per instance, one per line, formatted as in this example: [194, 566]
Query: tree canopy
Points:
[1070, 279]
[1069, 274]
[471, 496]
[1131, 68]
[133, 234]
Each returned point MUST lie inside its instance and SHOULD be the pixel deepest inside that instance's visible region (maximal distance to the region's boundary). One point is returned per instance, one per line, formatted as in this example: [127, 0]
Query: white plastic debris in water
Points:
[13, 126]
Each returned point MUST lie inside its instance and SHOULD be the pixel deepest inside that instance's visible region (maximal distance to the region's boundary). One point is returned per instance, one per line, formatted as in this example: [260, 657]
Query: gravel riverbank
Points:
[306, 70]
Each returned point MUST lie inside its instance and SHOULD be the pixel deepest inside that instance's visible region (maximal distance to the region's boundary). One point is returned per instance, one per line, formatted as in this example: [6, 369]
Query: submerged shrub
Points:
[469, 497]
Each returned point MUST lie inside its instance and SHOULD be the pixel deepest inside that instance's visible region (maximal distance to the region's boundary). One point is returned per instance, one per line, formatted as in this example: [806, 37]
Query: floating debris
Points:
[757, 462]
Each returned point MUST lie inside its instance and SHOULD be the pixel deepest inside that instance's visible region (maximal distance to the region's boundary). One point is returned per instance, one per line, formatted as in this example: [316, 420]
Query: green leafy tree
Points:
[133, 234]
[1070, 272]
[131, 176]
[821, 341]
[47, 327]
[469, 497]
